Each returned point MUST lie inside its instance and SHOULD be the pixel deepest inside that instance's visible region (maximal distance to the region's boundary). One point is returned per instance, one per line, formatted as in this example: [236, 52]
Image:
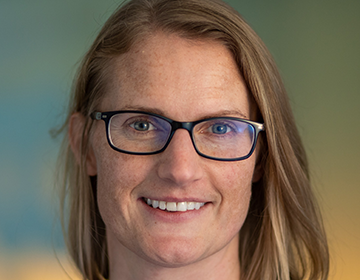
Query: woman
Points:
[182, 155]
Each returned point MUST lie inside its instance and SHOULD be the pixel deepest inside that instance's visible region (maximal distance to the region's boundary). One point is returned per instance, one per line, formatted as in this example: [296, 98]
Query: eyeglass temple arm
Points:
[98, 116]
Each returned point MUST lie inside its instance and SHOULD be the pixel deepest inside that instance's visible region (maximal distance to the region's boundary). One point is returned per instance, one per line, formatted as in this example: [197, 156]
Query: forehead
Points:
[163, 70]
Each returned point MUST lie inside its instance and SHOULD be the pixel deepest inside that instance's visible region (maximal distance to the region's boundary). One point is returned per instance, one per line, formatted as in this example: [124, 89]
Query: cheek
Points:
[115, 171]
[235, 191]
[118, 175]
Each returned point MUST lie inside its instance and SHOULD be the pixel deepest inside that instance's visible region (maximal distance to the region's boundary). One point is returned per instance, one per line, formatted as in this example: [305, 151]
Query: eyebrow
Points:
[222, 113]
[227, 113]
[145, 109]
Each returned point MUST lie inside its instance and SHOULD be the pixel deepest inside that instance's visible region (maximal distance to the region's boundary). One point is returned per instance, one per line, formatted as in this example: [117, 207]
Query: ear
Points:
[76, 128]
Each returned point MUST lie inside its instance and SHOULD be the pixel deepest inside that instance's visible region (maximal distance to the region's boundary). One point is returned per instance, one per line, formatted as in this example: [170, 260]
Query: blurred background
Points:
[316, 44]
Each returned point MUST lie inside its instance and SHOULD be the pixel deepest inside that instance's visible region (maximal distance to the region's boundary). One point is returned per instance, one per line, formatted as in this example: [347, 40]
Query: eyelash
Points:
[210, 126]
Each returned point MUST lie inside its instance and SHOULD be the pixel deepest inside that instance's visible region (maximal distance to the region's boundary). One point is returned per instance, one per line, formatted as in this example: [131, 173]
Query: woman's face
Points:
[185, 81]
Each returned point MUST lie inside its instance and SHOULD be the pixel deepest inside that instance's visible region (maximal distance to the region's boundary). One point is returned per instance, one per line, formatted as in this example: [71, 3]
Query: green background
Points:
[316, 44]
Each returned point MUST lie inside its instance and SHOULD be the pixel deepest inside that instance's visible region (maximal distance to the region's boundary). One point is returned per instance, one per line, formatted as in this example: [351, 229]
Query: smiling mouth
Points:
[174, 206]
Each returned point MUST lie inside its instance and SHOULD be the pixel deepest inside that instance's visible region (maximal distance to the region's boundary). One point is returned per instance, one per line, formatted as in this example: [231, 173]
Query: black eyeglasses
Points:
[143, 133]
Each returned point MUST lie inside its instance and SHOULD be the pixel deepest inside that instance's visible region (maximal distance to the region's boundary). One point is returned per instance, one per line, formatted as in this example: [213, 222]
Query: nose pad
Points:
[180, 162]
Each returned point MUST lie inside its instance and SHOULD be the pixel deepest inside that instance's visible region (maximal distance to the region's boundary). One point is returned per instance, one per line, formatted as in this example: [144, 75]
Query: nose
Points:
[179, 163]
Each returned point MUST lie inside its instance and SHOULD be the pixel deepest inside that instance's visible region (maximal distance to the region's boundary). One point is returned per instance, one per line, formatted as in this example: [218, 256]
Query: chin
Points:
[176, 253]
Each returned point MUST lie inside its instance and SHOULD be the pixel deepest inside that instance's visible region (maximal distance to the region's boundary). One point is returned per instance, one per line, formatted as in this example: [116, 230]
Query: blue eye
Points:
[142, 126]
[220, 129]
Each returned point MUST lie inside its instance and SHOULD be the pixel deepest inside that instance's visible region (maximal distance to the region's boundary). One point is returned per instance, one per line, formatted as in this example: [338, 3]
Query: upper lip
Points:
[176, 199]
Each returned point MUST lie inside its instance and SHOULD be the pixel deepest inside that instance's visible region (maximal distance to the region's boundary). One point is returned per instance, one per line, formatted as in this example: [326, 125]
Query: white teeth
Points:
[191, 205]
[171, 206]
[174, 206]
[155, 204]
[162, 205]
[181, 206]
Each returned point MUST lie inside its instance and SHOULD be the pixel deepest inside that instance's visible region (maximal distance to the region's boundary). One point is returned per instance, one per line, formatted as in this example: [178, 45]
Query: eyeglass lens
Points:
[143, 133]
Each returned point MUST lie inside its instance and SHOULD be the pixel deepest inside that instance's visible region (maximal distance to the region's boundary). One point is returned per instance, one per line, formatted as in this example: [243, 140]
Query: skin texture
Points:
[185, 81]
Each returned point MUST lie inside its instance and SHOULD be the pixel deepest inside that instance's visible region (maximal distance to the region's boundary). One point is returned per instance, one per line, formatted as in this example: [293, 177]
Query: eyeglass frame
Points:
[175, 125]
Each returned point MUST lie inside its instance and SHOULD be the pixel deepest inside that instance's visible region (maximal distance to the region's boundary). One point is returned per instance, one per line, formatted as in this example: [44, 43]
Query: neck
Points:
[126, 265]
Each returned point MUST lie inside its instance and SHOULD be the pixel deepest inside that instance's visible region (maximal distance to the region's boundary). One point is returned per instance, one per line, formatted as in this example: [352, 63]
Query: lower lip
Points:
[173, 216]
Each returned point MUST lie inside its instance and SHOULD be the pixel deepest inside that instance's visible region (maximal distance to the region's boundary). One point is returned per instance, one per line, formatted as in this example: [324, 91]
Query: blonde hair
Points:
[282, 237]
